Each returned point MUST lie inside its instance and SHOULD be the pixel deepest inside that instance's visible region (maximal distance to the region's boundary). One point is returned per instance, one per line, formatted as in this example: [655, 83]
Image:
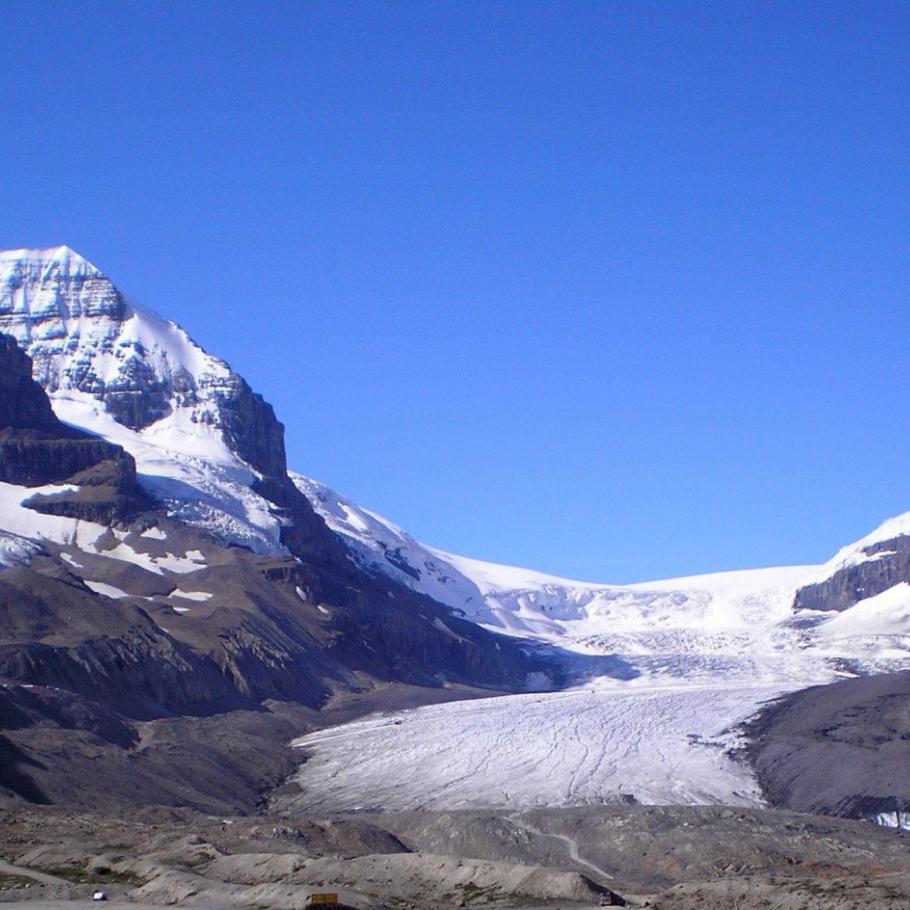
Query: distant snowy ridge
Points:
[528, 602]
[739, 624]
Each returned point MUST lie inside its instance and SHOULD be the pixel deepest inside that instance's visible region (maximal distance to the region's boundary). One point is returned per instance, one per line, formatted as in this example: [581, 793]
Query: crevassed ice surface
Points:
[592, 746]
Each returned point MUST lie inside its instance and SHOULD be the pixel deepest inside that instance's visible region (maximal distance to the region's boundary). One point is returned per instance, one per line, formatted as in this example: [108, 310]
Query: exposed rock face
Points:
[23, 403]
[82, 335]
[31, 458]
[887, 563]
[37, 449]
[107, 492]
[255, 628]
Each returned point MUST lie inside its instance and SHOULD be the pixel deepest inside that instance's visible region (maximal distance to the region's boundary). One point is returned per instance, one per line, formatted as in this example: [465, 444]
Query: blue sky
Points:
[613, 290]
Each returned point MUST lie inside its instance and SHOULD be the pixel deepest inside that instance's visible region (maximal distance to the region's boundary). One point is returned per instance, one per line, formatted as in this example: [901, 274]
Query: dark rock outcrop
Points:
[252, 430]
[841, 749]
[33, 458]
[37, 449]
[108, 491]
[23, 403]
[137, 398]
[889, 565]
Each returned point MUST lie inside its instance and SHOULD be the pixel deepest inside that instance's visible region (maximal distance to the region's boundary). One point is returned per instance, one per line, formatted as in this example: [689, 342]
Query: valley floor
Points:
[662, 857]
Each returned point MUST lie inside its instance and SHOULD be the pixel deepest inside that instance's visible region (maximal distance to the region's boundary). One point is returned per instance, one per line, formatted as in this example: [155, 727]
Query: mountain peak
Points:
[146, 385]
[63, 256]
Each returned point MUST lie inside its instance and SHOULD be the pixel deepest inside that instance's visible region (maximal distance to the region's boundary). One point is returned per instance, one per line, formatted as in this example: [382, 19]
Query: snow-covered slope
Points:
[88, 344]
[747, 613]
[693, 624]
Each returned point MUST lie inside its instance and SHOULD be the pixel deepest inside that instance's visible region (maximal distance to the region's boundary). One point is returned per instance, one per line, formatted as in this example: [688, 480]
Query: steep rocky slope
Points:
[841, 749]
[871, 566]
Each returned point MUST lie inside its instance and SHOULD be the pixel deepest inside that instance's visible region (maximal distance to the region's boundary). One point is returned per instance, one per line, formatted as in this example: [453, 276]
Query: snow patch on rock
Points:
[100, 587]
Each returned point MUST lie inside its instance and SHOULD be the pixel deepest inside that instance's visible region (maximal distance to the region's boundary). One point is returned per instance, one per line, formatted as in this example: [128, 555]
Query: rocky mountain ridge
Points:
[862, 570]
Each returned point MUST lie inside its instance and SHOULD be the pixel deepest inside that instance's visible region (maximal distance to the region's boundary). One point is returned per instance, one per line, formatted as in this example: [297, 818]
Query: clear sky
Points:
[612, 290]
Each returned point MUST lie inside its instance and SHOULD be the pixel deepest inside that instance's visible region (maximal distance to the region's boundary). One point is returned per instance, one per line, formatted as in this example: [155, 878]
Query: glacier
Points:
[704, 652]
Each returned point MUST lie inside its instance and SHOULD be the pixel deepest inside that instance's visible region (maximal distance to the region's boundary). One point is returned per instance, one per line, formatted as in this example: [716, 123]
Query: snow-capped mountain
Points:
[871, 567]
[324, 592]
[211, 450]
[150, 461]
[204, 443]
[89, 346]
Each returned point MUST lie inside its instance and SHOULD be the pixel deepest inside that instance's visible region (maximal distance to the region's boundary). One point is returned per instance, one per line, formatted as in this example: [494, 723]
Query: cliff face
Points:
[861, 570]
[23, 403]
[882, 565]
[36, 449]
